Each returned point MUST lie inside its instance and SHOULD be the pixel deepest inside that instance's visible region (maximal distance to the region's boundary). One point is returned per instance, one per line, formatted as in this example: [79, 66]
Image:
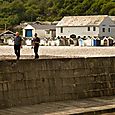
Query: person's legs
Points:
[18, 51]
[36, 55]
[36, 52]
[15, 49]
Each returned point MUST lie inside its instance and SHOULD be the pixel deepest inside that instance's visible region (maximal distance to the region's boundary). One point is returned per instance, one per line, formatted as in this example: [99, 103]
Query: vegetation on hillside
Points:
[12, 12]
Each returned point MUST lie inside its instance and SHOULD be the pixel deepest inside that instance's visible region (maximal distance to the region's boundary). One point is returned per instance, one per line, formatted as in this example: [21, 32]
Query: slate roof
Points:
[82, 20]
[45, 27]
[7, 32]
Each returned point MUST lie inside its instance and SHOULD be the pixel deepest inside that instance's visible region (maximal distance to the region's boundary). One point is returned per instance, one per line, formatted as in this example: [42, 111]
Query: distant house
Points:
[7, 37]
[80, 26]
[43, 30]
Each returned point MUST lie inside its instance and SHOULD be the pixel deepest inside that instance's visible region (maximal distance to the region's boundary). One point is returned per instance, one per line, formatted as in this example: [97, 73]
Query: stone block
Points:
[20, 85]
[13, 85]
[20, 76]
[58, 65]
[96, 93]
[32, 100]
[68, 89]
[68, 81]
[1, 95]
[30, 75]
[38, 83]
[81, 95]
[3, 104]
[5, 95]
[90, 86]
[113, 91]
[59, 96]
[65, 73]
[58, 86]
[51, 74]
[45, 66]
[30, 92]
[14, 94]
[65, 64]
[113, 76]
[113, 84]
[43, 74]
[89, 94]
[79, 72]
[1, 75]
[22, 93]
[52, 88]
[67, 96]
[1, 86]
[52, 98]
[74, 96]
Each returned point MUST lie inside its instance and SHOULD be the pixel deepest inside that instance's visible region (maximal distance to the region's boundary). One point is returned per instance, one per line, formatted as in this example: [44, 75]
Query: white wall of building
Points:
[78, 31]
[43, 33]
[113, 31]
[29, 27]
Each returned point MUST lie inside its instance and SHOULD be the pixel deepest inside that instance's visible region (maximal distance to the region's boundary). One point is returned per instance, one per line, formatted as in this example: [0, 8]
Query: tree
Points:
[107, 7]
[12, 12]
[112, 12]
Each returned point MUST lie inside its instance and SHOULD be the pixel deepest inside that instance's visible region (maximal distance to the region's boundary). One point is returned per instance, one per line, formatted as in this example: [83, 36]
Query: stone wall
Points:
[26, 82]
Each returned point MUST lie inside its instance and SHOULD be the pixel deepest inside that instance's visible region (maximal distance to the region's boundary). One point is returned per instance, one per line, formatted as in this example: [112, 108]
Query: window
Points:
[88, 28]
[103, 29]
[94, 28]
[109, 30]
[61, 29]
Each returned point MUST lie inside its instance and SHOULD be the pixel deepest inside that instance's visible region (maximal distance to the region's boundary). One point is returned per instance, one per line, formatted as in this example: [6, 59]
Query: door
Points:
[28, 33]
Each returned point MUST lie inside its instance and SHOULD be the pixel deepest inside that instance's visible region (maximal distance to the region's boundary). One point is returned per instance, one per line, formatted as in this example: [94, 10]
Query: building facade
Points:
[80, 26]
[43, 31]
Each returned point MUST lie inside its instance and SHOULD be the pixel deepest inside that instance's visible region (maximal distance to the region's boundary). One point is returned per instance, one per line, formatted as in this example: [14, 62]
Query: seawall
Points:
[27, 82]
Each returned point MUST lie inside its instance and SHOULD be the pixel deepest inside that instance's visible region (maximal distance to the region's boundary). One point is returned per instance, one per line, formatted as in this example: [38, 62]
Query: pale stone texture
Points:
[7, 52]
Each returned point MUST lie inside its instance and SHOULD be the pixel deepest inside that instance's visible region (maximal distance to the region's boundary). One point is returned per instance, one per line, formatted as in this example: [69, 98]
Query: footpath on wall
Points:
[7, 52]
[90, 106]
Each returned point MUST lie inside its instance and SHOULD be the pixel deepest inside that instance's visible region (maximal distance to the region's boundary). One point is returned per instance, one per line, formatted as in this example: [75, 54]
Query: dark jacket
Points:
[17, 40]
[36, 41]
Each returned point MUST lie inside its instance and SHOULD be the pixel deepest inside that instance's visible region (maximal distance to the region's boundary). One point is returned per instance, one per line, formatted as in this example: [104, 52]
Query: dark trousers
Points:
[36, 51]
[17, 50]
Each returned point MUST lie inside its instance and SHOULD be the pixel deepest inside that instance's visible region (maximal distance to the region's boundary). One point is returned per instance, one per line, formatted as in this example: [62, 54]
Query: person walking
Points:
[17, 45]
[35, 43]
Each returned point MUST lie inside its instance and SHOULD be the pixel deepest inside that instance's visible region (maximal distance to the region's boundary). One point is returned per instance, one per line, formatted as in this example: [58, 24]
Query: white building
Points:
[43, 31]
[97, 25]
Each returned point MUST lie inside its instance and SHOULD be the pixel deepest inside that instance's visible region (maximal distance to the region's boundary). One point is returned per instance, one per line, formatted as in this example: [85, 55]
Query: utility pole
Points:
[5, 27]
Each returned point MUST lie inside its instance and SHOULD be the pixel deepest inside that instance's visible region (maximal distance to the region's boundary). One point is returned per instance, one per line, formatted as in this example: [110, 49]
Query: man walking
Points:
[36, 42]
[17, 45]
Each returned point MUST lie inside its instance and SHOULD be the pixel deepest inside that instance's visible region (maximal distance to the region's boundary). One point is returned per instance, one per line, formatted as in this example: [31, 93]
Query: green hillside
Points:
[12, 12]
